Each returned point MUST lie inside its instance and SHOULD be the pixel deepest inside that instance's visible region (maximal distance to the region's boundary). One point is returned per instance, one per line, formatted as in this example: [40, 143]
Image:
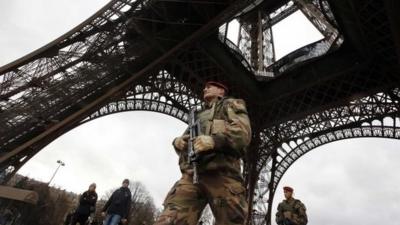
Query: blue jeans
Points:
[112, 219]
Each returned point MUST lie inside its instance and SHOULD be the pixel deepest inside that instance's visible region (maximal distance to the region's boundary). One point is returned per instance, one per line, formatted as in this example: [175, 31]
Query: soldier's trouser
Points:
[185, 201]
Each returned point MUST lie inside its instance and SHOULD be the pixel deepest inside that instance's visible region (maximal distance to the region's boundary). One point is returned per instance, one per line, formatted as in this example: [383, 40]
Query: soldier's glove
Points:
[287, 222]
[203, 143]
[181, 142]
[287, 215]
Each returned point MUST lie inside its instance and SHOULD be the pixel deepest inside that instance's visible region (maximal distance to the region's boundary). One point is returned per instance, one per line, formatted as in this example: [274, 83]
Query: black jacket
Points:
[87, 203]
[119, 202]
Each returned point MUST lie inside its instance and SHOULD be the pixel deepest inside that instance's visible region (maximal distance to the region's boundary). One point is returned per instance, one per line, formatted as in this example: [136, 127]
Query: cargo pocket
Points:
[170, 194]
[218, 126]
[236, 202]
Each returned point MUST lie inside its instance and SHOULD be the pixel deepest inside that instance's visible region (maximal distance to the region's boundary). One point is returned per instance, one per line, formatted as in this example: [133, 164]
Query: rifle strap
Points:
[211, 118]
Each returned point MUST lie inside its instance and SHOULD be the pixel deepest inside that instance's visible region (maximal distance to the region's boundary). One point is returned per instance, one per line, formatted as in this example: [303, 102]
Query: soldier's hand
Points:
[181, 142]
[124, 221]
[287, 215]
[103, 214]
[203, 143]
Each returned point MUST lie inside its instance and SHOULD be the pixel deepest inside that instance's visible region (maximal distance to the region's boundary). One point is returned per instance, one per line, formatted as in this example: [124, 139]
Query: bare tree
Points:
[51, 208]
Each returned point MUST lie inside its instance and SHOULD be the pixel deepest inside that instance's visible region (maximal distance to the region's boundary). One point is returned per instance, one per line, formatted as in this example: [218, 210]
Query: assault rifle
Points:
[194, 131]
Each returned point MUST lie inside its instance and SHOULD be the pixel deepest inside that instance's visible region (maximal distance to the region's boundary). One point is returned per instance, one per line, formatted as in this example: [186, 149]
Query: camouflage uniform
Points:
[220, 181]
[291, 211]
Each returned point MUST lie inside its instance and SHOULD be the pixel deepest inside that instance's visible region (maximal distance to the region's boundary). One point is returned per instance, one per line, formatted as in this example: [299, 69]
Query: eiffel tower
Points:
[155, 55]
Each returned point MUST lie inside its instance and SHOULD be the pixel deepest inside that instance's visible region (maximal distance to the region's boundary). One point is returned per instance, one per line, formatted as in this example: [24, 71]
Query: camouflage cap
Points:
[288, 189]
[218, 84]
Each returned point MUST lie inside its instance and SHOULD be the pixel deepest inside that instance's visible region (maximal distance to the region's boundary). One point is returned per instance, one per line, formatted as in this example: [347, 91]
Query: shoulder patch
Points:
[238, 105]
[299, 205]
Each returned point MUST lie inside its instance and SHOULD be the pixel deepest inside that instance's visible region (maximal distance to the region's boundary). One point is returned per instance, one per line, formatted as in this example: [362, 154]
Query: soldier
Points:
[224, 135]
[291, 211]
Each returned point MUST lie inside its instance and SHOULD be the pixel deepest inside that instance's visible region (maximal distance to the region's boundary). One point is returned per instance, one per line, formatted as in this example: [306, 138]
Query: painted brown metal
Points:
[156, 56]
[17, 194]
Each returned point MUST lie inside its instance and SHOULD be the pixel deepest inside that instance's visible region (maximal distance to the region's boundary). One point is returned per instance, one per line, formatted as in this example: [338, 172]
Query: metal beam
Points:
[90, 107]
[17, 194]
[236, 72]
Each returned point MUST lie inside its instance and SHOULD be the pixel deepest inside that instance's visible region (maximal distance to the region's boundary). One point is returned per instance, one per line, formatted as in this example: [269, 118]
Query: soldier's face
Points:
[92, 188]
[211, 91]
[125, 184]
[287, 194]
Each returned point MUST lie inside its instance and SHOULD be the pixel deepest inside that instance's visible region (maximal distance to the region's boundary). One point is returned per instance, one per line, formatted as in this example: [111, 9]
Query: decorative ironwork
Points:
[155, 55]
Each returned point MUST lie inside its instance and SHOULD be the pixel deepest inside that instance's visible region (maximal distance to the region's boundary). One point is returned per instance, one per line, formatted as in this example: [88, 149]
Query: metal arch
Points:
[349, 133]
[138, 104]
[262, 200]
[132, 103]
[51, 89]
[161, 93]
[354, 114]
[360, 110]
[279, 142]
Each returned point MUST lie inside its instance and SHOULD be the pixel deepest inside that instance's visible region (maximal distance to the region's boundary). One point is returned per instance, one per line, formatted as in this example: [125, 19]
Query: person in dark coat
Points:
[118, 205]
[87, 205]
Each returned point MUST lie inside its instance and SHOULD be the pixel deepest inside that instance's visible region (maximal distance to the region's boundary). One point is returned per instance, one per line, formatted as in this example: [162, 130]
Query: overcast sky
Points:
[348, 182]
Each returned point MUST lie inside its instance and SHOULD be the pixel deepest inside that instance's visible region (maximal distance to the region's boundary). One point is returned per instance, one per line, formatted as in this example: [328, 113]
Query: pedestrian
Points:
[87, 206]
[118, 205]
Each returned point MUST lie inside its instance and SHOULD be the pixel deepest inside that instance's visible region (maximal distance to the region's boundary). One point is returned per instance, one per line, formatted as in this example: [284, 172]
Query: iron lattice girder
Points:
[367, 26]
[179, 83]
[300, 149]
[372, 116]
[295, 153]
[160, 92]
[353, 114]
[325, 91]
[89, 71]
[119, 79]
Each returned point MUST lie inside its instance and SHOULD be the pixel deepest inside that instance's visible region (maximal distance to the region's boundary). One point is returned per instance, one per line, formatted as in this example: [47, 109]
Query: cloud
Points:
[347, 182]
[134, 145]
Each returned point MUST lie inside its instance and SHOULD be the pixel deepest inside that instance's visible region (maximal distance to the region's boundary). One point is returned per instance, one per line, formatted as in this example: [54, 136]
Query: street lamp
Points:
[60, 163]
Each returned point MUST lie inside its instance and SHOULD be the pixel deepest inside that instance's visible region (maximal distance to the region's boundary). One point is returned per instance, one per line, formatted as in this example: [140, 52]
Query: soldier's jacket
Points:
[226, 120]
[293, 210]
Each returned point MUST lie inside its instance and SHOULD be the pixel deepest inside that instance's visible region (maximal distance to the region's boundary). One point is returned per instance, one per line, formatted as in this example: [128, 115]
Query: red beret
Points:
[218, 84]
[289, 189]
